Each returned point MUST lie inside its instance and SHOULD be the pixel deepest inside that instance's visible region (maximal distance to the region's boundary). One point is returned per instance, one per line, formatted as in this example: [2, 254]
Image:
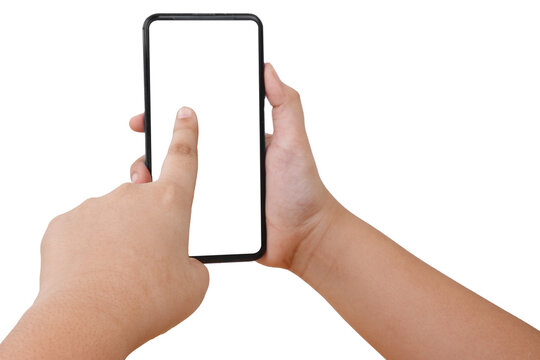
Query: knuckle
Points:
[84, 206]
[183, 149]
[55, 223]
[173, 195]
[169, 194]
[53, 228]
[122, 189]
[294, 95]
[88, 202]
[186, 124]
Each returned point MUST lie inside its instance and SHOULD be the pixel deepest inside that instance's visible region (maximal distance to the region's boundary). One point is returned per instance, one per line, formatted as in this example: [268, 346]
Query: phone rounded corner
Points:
[149, 20]
[260, 253]
[255, 19]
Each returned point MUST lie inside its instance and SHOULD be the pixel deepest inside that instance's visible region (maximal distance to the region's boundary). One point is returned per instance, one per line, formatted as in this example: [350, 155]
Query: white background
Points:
[423, 117]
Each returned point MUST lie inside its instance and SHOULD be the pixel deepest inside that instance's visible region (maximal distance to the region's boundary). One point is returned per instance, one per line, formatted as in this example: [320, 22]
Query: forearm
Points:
[402, 306]
[58, 329]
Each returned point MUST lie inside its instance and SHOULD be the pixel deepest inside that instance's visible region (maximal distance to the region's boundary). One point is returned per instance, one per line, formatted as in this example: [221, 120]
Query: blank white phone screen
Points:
[212, 66]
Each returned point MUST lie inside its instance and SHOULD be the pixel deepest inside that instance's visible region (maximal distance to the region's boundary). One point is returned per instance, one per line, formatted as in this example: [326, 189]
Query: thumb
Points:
[180, 165]
[287, 113]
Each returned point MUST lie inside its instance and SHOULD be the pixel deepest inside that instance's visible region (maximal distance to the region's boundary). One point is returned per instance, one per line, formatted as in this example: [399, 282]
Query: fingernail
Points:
[184, 112]
[134, 177]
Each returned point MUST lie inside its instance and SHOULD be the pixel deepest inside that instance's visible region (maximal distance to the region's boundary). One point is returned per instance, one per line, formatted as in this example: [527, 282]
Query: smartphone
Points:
[214, 64]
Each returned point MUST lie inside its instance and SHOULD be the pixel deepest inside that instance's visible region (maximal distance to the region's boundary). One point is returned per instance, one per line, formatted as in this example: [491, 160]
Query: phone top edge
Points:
[201, 16]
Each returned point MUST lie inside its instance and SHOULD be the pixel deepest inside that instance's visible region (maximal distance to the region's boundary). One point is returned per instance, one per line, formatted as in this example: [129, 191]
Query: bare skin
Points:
[115, 271]
[400, 305]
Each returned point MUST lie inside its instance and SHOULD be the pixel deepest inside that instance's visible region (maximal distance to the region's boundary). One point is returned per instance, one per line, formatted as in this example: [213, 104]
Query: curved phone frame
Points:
[148, 120]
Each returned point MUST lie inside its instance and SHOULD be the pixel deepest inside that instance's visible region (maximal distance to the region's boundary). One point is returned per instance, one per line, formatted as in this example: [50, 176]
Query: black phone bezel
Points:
[148, 121]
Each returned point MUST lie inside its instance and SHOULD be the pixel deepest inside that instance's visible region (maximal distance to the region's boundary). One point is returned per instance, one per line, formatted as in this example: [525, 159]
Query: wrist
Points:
[318, 251]
[63, 327]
